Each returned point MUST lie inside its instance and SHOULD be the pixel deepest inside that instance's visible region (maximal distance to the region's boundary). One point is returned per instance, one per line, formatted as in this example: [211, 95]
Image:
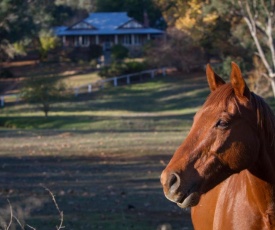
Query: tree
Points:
[179, 50]
[43, 92]
[119, 52]
[47, 43]
[259, 17]
[138, 9]
[88, 5]
[15, 25]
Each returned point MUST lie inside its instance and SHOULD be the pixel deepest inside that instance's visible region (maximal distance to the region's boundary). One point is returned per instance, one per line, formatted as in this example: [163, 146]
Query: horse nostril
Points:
[174, 182]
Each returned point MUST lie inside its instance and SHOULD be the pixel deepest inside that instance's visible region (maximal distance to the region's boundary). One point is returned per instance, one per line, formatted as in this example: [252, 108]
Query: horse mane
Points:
[265, 119]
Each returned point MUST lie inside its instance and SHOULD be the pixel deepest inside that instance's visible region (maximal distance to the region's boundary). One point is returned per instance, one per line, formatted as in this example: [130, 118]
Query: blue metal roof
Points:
[106, 24]
[107, 21]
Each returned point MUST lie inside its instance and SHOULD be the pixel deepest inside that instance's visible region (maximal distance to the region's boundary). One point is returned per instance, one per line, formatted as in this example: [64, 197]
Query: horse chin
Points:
[190, 201]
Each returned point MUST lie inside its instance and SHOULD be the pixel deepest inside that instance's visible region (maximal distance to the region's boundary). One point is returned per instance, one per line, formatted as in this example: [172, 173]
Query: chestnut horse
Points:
[225, 168]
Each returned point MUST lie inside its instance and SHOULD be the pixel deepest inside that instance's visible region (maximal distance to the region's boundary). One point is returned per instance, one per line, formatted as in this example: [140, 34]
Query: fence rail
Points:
[91, 87]
[115, 80]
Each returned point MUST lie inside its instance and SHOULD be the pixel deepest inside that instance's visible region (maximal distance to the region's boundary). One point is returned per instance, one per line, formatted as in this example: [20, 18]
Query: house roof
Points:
[106, 24]
[108, 21]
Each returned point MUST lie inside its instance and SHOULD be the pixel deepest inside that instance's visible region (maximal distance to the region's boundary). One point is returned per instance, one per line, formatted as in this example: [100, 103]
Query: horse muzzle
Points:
[183, 195]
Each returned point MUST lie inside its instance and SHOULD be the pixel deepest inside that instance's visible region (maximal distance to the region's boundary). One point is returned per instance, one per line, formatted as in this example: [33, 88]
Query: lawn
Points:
[166, 103]
[100, 154]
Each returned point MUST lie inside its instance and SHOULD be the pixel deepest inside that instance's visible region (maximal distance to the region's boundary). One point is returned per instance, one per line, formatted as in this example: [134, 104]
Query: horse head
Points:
[222, 141]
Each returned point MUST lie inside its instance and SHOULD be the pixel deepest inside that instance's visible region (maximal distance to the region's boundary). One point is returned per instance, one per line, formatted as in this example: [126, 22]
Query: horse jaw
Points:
[190, 201]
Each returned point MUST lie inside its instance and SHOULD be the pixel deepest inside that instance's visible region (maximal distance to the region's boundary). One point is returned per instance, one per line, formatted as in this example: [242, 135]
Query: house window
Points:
[81, 41]
[76, 41]
[127, 39]
[137, 39]
[85, 41]
[132, 24]
[82, 25]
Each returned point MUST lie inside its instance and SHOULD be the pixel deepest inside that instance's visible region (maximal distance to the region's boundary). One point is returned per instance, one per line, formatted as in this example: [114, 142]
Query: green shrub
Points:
[119, 52]
[95, 51]
[119, 68]
[115, 69]
[134, 67]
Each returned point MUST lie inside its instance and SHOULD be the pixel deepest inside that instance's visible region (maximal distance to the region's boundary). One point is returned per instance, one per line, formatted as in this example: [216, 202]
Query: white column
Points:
[80, 40]
[132, 39]
[115, 82]
[152, 73]
[89, 88]
[64, 40]
[116, 39]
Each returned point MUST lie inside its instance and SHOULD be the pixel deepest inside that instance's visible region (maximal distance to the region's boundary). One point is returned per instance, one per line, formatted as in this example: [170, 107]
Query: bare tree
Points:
[259, 17]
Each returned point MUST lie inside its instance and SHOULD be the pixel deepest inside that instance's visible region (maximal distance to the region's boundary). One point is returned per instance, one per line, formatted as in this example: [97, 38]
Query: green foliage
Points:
[16, 24]
[24, 20]
[179, 51]
[6, 73]
[119, 52]
[224, 68]
[135, 9]
[115, 69]
[121, 68]
[134, 67]
[48, 42]
[95, 51]
[43, 91]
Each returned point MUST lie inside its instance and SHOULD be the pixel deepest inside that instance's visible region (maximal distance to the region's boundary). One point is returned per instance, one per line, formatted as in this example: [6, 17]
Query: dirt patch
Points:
[95, 189]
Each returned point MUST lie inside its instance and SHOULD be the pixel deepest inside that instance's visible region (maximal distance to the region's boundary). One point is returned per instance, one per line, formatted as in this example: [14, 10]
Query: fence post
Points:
[115, 82]
[164, 72]
[128, 79]
[152, 74]
[2, 101]
[76, 91]
[90, 88]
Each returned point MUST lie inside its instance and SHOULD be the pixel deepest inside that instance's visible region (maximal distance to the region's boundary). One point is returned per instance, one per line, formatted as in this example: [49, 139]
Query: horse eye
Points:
[222, 124]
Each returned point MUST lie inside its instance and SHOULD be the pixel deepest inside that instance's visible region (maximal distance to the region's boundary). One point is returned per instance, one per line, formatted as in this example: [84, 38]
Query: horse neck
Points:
[257, 190]
[265, 166]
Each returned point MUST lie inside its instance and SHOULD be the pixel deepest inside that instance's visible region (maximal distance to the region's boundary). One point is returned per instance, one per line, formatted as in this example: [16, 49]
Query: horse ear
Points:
[214, 80]
[238, 83]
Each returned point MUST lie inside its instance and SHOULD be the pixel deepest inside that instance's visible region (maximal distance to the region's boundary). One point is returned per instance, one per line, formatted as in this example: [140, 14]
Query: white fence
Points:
[99, 84]
[4, 98]
[89, 88]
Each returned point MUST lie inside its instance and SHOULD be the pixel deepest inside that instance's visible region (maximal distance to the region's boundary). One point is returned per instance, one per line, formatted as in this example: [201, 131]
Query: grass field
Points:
[101, 155]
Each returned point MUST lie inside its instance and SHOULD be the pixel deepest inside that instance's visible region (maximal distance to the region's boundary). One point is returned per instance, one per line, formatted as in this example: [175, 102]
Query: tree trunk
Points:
[46, 109]
[272, 80]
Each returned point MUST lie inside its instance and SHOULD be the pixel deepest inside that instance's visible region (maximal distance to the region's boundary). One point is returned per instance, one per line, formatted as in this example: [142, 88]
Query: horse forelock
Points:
[221, 95]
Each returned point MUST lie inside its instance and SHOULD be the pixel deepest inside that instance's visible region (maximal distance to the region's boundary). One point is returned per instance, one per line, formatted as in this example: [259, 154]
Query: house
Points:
[106, 30]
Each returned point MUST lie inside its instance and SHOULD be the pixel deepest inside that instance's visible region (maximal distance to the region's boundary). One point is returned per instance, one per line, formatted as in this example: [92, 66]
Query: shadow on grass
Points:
[94, 192]
[101, 123]
[157, 95]
[163, 95]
